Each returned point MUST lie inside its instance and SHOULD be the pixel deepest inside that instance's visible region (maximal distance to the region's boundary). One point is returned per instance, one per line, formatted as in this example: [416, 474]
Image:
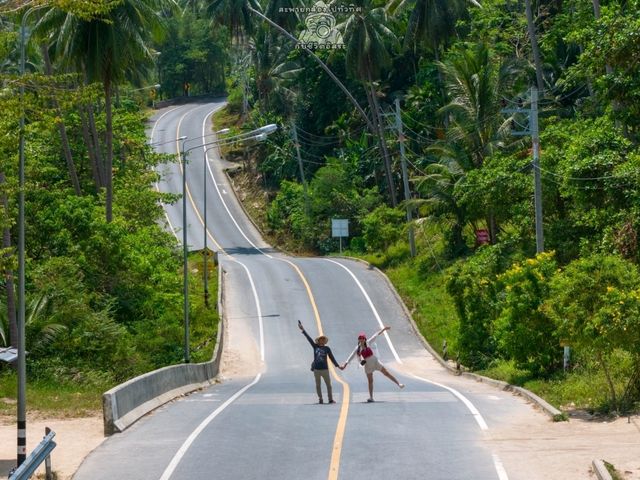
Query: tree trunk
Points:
[71, 167]
[95, 165]
[537, 59]
[108, 167]
[96, 144]
[8, 274]
[614, 401]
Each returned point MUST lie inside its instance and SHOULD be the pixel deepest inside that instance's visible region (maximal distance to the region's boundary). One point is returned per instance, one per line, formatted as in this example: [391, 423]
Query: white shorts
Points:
[372, 364]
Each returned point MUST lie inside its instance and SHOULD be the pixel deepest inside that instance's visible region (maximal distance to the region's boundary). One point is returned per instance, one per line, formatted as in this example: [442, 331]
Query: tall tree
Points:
[110, 48]
[368, 43]
[476, 81]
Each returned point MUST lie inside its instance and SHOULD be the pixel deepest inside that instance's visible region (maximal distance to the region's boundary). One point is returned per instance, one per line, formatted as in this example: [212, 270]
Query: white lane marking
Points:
[474, 411]
[502, 473]
[258, 308]
[157, 183]
[373, 308]
[187, 443]
[224, 204]
[493, 397]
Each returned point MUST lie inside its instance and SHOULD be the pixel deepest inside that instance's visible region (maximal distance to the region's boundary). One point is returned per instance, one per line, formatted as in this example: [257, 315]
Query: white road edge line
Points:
[373, 309]
[502, 473]
[157, 183]
[474, 411]
[206, 159]
[187, 443]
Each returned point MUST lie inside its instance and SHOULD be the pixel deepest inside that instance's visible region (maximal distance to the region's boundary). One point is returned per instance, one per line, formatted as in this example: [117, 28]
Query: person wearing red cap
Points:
[370, 361]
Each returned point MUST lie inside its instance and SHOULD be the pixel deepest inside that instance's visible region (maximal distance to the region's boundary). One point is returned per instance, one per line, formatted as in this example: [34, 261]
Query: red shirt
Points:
[366, 352]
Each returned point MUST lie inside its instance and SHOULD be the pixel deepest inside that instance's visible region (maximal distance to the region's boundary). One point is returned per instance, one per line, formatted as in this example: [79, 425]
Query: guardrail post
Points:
[48, 475]
[40, 454]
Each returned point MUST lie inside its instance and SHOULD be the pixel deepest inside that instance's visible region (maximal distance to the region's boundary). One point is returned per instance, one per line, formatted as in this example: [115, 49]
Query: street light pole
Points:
[22, 366]
[261, 132]
[185, 257]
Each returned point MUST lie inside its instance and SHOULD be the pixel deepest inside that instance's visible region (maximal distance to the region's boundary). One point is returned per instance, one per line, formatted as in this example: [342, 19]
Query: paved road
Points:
[263, 422]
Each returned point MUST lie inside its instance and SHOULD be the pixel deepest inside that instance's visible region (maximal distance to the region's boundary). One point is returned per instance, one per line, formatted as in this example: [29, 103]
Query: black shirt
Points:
[320, 354]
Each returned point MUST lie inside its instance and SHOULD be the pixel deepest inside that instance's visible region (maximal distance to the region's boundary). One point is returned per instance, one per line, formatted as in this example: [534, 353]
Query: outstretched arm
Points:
[309, 339]
[349, 358]
[375, 335]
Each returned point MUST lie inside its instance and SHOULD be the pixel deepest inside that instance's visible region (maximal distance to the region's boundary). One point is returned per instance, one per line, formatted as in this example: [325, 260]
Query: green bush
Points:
[522, 330]
[382, 228]
[472, 284]
[595, 303]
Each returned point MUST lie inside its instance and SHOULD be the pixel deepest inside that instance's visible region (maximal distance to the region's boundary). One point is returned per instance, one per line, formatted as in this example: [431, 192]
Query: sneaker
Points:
[401, 385]
[370, 400]
[320, 401]
[332, 401]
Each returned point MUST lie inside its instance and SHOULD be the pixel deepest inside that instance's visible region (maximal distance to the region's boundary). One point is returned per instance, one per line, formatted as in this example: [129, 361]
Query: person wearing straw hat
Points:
[320, 366]
[369, 361]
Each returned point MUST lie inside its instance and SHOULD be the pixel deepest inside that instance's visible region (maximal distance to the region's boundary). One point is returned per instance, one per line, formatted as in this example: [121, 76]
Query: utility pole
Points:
[533, 130]
[405, 178]
[535, 138]
[294, 131]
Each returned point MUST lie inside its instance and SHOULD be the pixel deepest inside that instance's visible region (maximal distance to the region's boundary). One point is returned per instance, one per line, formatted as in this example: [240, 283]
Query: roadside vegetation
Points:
[103, 275]
[463, 76]
[103, 278]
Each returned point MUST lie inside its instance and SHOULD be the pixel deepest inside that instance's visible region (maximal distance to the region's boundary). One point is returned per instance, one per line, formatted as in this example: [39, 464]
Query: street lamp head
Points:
[267, 129]
[183, 137]
[224, 131]
[157, 85]
[261, 137]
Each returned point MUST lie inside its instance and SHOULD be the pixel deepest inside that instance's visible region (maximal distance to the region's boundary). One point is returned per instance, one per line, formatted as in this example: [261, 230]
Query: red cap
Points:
[362, 335]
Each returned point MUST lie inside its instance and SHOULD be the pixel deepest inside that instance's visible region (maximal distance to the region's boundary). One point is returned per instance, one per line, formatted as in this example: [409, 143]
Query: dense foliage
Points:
[455, 76]
[463, 74]
[103, 277]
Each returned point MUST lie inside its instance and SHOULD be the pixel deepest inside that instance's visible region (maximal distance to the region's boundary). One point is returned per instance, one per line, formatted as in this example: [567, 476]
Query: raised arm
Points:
[309, 339]
[375, 335]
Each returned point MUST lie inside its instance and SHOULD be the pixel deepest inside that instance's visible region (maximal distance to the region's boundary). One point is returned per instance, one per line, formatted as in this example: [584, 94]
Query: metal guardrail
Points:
[40, 454]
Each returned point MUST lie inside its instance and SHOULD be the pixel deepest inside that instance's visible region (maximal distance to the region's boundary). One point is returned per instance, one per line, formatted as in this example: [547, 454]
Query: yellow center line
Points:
[180, 165]
[334, 467]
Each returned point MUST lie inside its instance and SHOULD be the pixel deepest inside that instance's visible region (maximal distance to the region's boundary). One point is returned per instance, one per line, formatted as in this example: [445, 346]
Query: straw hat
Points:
[323, 338]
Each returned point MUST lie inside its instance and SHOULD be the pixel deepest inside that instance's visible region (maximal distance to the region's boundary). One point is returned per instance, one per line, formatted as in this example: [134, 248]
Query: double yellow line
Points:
[336, 451]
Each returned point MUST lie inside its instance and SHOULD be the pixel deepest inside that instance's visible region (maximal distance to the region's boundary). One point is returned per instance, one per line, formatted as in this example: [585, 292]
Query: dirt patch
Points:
[75, 439]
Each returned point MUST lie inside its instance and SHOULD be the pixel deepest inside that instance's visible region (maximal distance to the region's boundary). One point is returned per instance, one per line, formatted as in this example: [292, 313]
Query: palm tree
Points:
[108, 49]
[476, 82]
[368, 43]
[236, 15]
[437, 190]
[431, 23]
[272, 71]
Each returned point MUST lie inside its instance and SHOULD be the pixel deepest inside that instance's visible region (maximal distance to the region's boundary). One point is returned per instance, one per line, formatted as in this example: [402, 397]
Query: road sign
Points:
[339, 227]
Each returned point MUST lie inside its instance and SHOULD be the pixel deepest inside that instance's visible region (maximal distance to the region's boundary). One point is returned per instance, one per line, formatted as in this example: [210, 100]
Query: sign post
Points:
[339, 228]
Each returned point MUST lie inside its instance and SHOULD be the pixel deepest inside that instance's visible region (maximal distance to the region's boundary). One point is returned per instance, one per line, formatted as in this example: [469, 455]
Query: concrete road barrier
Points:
[601, 470]
[126, 403]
